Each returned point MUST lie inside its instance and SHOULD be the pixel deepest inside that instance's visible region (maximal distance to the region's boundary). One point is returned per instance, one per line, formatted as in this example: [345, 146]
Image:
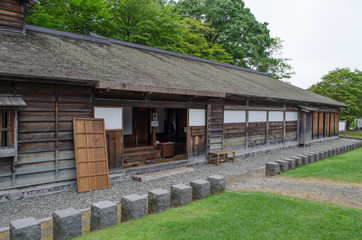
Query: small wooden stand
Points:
[224, 156]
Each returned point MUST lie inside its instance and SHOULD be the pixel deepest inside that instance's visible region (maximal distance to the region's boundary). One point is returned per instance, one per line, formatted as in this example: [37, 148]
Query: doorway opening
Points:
[153, 135]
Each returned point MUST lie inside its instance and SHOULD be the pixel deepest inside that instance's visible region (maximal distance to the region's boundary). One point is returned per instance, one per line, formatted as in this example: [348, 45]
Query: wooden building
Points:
[158, 105]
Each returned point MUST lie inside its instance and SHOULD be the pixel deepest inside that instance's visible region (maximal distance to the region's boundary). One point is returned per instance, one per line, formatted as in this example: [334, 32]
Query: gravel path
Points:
[43, 206]
[344, 194]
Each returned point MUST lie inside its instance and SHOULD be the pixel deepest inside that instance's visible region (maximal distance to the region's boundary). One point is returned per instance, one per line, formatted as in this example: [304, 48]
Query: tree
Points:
[80, 16]
[345, 86]
[195, 44]
[236, 29]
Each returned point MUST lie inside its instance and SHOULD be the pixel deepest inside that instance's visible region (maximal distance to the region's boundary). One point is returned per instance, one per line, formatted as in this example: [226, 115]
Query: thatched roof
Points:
[46, 53]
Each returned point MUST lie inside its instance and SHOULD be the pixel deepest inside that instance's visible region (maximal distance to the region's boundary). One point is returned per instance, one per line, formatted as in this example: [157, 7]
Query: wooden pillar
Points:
[267, 129]
[16, 131]
[56, 127]
[154, 137]
[208, 129]
[284, 123]
[298, 127]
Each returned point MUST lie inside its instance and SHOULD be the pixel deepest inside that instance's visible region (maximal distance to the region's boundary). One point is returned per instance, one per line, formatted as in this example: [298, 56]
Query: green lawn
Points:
[351, 134]
[345, 167]
[243, 215]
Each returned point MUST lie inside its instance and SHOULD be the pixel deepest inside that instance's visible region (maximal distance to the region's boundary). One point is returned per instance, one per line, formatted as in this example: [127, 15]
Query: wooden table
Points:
[222, 156]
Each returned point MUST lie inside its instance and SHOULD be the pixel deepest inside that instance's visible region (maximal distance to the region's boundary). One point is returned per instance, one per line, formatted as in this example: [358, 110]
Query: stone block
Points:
[103, 214]
[15, 196]
[321, 155]
[337, 151]
[316, 156]
[217, 183]
[304, 159]
[310, 158]
[271, 169]
[159, 200]
[133, 207]
[283, 165]
[333, 151]
[326, 153]
[344, 149]
[67, 224]
[200, 189]
[26, 228]
[291, 163]
[298, 161]
[181, 194]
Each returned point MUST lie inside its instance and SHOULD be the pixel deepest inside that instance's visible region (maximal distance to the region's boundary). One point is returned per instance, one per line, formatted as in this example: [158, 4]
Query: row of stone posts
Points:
[274, 168]
[67, 223]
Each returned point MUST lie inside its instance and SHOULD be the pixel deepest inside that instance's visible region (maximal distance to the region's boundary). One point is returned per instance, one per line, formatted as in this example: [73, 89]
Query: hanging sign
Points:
[154, 124]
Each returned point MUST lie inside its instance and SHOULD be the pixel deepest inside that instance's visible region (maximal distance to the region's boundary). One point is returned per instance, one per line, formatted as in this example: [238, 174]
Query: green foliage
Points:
[243, 37]
[345, 86]
[243, 215]
[149, 22]
[195, 44]
[345, 167]
[351, 134]
[80, 16]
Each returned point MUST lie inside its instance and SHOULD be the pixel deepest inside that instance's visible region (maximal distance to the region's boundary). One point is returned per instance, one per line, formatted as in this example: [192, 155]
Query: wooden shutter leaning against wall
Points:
[90, 154]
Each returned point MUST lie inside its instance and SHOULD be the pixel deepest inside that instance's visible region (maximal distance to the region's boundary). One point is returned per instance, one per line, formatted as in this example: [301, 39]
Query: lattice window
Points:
[6, 128]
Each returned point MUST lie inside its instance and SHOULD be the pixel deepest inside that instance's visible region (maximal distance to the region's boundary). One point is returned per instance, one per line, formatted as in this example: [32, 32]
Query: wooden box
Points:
[167, 149]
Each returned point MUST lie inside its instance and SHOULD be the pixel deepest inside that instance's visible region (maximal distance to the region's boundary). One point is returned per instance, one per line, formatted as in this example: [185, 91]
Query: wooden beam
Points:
[146, 104]
[155, 89]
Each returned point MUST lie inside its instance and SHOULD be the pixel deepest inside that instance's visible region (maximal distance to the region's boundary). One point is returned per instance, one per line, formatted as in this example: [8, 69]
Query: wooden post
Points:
[208, 129]
[284, 126]
[246, 128]
[16, 131]
[267, 129]
[246, 124]
[345, 128]
[154, 137]
[56, 123]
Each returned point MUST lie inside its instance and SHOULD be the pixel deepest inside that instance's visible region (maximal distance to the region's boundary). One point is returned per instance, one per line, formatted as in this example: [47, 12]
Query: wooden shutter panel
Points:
[90, 154]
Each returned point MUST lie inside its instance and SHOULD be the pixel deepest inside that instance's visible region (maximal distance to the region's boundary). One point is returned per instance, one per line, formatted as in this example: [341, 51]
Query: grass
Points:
[351, 134]
[243, 215]
[345, 167]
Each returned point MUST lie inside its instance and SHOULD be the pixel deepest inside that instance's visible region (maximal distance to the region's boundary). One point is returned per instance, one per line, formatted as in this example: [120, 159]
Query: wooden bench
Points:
[222, 156]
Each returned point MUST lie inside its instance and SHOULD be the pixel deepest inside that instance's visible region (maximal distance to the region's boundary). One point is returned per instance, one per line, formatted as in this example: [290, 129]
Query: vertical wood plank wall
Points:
[45, 151]
[215, 116]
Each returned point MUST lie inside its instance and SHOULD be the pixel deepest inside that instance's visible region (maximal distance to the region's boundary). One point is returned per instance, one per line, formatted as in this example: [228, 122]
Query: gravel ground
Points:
[43, 206]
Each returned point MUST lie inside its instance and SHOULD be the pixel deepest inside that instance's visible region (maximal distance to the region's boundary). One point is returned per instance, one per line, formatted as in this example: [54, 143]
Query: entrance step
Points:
[156, 175]
[139, 154]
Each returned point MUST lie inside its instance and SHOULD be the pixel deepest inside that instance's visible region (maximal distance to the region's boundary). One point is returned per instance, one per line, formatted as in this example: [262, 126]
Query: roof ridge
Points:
[101, 39]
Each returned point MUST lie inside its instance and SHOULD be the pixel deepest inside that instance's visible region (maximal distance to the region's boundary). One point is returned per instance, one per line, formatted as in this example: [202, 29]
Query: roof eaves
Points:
[100, 39]
[282, 99]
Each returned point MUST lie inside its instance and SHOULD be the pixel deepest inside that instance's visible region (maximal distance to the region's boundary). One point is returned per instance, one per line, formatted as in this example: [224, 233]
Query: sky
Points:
[318, 35]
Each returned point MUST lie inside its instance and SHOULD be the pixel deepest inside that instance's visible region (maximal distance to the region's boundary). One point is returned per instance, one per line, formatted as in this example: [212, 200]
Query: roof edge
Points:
[100, 39]
[284, 99]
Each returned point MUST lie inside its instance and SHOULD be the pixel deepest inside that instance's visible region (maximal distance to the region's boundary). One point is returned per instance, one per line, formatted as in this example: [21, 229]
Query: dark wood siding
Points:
[45, 146]
[321, 125]
[12, 15]
[275, 132]
[256, 134]
[234, 135]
